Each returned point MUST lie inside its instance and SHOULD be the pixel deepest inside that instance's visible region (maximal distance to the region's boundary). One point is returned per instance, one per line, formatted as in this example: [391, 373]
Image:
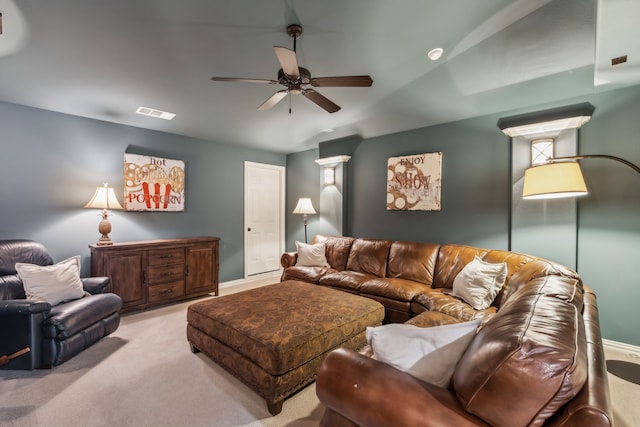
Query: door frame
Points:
[281, 207]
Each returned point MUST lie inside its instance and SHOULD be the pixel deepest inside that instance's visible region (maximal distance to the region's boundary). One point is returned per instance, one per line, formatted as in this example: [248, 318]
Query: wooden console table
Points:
[154, 272]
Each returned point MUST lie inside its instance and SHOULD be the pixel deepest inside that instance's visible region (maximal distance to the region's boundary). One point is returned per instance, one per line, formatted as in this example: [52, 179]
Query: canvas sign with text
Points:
[153, 184]
[414, 182]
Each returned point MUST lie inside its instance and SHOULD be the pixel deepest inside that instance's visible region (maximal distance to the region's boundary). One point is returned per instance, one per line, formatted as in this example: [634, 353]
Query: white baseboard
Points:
[272, 275]
[621, 346]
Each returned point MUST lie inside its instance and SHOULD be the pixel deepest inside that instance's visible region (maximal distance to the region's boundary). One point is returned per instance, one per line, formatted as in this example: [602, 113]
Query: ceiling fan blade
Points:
[343, 81]
[273, 100]
[233, 79]
[288, 61]
[320, 100]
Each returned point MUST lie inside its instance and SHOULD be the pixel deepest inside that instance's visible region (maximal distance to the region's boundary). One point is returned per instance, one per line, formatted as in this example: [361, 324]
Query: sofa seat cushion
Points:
[442, 301]
[394, 304]
[533, 352]
[392, 288]
[347, 280]
[428, 319]
[306, 274]
[71, 317]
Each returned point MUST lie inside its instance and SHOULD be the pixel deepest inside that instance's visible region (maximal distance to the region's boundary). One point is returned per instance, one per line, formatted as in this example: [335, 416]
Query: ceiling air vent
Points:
[618, 60]
[152, 112]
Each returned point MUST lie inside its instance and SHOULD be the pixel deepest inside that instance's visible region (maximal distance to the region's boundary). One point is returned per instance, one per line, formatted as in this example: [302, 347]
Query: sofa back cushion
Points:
[413, 261]
[337, 249]
[11, 252]
[529, 359]
[451, 260]
[369, 256]
[515, 262]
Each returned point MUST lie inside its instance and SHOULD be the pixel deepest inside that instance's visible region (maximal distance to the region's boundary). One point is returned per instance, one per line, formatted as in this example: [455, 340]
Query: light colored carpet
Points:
[144, 374]
[623, 366]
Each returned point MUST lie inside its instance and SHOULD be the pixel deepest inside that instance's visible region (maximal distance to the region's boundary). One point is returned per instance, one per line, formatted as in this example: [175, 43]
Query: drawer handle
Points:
[166, 291]
[166, 256]
[166, 274]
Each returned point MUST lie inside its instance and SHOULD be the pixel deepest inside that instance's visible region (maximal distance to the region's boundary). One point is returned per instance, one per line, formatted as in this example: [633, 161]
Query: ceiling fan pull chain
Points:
[289, 103]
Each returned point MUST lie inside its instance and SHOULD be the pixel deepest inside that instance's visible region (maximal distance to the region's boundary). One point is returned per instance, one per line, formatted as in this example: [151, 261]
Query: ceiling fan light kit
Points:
[297, 80]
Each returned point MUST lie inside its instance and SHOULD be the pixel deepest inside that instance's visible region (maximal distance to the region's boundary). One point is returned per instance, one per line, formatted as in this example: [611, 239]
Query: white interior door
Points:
[264, 217]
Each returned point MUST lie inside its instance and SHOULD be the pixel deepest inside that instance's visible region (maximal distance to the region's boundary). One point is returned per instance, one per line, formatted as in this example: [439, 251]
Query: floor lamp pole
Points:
[305, 227]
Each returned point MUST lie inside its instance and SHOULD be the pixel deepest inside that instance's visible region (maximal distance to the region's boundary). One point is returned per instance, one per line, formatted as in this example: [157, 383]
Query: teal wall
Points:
[51, 163]
[609, 217]
[476, 195]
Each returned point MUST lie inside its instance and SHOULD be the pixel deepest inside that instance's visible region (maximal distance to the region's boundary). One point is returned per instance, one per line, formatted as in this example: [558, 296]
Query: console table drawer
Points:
[166, 256]
[167, 291]
[166, 273]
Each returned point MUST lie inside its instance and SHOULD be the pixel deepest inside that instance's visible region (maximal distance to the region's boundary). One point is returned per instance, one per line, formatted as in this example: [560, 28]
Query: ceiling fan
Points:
[297, 80]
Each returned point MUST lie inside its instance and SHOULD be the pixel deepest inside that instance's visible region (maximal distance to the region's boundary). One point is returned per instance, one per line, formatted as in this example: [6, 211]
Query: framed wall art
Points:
[414, 182]
[153, 184]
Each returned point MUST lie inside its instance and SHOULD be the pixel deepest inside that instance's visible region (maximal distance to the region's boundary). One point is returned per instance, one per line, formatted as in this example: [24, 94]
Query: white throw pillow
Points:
[479, 282]
[311, 255]
[430, 354]
[52, 283]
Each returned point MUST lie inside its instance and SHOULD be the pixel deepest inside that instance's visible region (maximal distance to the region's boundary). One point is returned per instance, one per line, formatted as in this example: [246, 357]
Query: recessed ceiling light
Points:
[152, 112]
[326, 130]
[435, 54]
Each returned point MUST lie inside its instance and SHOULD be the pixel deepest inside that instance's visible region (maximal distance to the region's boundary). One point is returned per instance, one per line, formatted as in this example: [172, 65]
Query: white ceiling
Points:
[103, 59]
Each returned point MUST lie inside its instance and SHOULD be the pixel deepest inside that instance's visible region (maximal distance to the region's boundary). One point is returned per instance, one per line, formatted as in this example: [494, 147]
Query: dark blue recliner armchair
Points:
[54, 334]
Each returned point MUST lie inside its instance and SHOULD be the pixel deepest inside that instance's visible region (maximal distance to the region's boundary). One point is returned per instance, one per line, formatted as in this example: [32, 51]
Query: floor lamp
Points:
[305, 208]
[561, 177]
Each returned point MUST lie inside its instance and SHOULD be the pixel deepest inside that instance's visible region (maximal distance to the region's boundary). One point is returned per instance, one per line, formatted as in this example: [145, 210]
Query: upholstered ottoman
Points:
[274, 338]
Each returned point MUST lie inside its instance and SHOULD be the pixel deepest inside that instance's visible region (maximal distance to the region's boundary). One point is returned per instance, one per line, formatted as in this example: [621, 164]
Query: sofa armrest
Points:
[23, 306]
[288, 259]
[95, 285]
[367, 392]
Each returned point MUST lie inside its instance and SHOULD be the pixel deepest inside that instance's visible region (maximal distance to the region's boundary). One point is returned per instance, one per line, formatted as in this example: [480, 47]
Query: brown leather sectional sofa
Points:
[536, 360]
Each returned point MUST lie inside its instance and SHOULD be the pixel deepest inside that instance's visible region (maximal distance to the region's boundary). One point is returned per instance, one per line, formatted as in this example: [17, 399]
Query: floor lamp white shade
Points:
[553, 180]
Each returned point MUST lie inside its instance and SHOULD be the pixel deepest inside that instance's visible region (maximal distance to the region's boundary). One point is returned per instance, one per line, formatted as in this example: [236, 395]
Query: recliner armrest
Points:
[95, 285]
[23, 306]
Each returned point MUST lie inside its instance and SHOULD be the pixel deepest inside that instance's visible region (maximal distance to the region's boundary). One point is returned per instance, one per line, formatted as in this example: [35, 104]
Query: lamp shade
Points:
[553, 180]
[304, 206]
[104, 198]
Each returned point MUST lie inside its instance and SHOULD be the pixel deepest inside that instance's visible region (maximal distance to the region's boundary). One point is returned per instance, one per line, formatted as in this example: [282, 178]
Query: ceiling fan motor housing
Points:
[304, 79]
